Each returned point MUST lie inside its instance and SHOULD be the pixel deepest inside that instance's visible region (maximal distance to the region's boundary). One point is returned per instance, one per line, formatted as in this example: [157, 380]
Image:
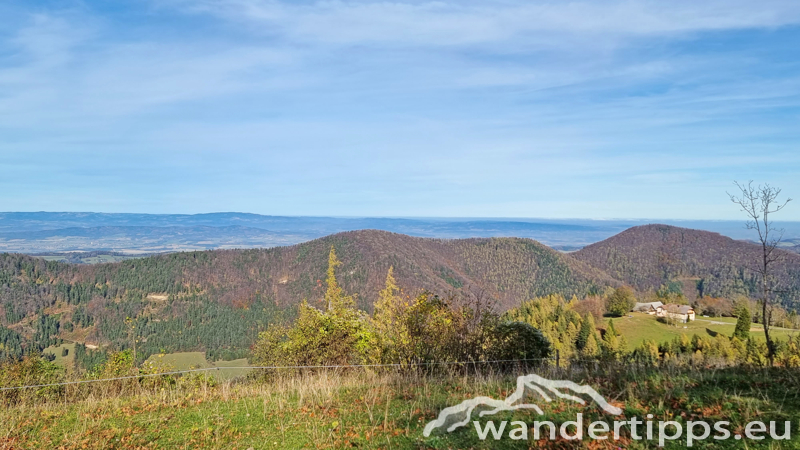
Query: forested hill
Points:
[649, 256]
[218, 300]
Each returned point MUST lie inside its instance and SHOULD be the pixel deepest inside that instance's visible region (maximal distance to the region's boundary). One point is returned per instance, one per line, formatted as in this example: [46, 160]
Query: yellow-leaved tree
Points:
[390, 333]
[338, 336]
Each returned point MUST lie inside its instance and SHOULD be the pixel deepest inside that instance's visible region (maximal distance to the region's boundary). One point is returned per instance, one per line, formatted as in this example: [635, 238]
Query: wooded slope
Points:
[649, 256]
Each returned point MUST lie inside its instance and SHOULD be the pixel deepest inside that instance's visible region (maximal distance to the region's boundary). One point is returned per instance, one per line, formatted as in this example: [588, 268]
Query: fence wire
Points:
[340, 366]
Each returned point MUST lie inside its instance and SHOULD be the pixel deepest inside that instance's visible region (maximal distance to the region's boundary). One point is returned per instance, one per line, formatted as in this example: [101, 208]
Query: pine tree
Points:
[742, 331]
[587, 329]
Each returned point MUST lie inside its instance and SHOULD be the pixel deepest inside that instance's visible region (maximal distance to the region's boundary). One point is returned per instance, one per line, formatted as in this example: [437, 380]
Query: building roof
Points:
[647, 306]
[678, 309]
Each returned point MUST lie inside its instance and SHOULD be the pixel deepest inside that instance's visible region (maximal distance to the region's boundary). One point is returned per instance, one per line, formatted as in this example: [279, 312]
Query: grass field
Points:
[167, 362]
[63, 361]
[636, 327]
[104, 259]
[197, 360]
[389, 411]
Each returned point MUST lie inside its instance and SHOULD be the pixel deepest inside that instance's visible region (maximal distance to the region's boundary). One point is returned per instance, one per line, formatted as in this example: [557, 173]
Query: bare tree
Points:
[758, 203]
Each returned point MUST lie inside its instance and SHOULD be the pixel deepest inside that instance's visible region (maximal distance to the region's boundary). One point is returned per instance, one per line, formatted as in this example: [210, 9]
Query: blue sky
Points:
[594, 109]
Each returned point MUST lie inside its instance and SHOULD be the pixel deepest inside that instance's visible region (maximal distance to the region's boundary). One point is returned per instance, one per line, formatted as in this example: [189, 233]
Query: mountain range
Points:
[218, 300]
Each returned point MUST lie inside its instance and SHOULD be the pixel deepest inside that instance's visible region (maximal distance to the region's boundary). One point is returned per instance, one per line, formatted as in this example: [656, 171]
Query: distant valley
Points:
[56, 234]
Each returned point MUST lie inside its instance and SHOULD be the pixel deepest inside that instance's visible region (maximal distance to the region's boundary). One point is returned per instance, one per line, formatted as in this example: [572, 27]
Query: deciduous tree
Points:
[621, 301]
[759, 203]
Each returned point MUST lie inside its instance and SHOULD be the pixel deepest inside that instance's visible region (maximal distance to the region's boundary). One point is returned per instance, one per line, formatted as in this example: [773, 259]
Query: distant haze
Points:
[42, 232]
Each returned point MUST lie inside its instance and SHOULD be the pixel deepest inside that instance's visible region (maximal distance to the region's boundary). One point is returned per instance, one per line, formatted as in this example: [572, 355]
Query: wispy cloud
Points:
[510, 108]
[442, 23]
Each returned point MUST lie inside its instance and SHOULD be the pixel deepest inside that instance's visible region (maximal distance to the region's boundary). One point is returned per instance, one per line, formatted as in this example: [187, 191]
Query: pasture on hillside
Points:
[225, 370]
[637, 327]
[68, 361]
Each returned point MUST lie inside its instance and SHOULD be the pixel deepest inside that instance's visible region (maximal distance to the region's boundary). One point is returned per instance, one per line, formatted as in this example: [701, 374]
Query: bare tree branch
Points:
[758, 203]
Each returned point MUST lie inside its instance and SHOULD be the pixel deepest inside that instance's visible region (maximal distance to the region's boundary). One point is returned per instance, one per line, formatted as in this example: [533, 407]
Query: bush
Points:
[424, 330]
[338, 336]
[315, 338]
[671, 321]
[518, 341]
[30, 370]
[621, 301]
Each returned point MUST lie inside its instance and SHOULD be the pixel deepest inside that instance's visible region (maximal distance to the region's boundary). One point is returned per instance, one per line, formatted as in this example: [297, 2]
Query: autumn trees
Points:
[338, 335]
[403, 331]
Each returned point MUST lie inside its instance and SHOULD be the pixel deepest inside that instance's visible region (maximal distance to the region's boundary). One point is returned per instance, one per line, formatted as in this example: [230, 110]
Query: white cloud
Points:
[446, 23]
[464, 99]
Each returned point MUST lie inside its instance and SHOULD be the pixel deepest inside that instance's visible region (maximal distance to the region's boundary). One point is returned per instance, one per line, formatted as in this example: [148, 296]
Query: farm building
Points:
[684, 313]
[649, 308]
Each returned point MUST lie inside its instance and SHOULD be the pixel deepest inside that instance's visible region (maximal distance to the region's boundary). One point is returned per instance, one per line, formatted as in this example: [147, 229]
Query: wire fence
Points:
[304, 367]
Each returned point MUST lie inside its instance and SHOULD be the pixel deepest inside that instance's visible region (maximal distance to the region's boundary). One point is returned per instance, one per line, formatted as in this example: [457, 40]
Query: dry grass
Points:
[360, 409]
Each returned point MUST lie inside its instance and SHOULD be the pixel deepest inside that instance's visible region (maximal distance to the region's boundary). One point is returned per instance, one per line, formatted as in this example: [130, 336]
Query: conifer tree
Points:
[334, 295]
[387, 299]
[591, 349]
[650, 350]
[586, 331]
[390, 335]
[611, 344]
[742, 331]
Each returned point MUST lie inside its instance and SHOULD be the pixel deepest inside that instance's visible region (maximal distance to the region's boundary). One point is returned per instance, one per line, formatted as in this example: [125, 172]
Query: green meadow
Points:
[222, 370]
[63, 361]
[637, 327]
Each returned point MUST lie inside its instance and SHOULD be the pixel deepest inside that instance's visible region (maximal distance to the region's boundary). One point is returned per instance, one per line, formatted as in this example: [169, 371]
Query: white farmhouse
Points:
[684, 313]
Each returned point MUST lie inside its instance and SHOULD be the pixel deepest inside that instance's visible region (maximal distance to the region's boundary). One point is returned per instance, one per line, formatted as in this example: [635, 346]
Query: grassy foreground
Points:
[371, 411]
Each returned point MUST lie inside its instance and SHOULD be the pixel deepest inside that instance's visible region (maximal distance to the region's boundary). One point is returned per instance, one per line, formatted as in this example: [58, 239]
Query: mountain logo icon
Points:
[460, 415]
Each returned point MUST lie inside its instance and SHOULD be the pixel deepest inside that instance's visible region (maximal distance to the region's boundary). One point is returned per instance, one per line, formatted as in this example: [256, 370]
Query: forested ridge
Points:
[217, 301]
[705, 263]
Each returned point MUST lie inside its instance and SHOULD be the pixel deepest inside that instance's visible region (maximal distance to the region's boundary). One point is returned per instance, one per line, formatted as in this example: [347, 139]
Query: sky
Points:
[581, 109]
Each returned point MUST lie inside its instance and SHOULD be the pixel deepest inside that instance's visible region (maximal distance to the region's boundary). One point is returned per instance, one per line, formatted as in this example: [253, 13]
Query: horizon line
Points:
[504, 218]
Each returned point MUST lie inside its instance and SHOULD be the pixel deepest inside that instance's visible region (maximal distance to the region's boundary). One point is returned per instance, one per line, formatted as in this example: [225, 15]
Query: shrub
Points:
[426, 329]
[621, 301]
[315, 338]
[671, 321]
[518, 341]
[30, 370]
[338, 336]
